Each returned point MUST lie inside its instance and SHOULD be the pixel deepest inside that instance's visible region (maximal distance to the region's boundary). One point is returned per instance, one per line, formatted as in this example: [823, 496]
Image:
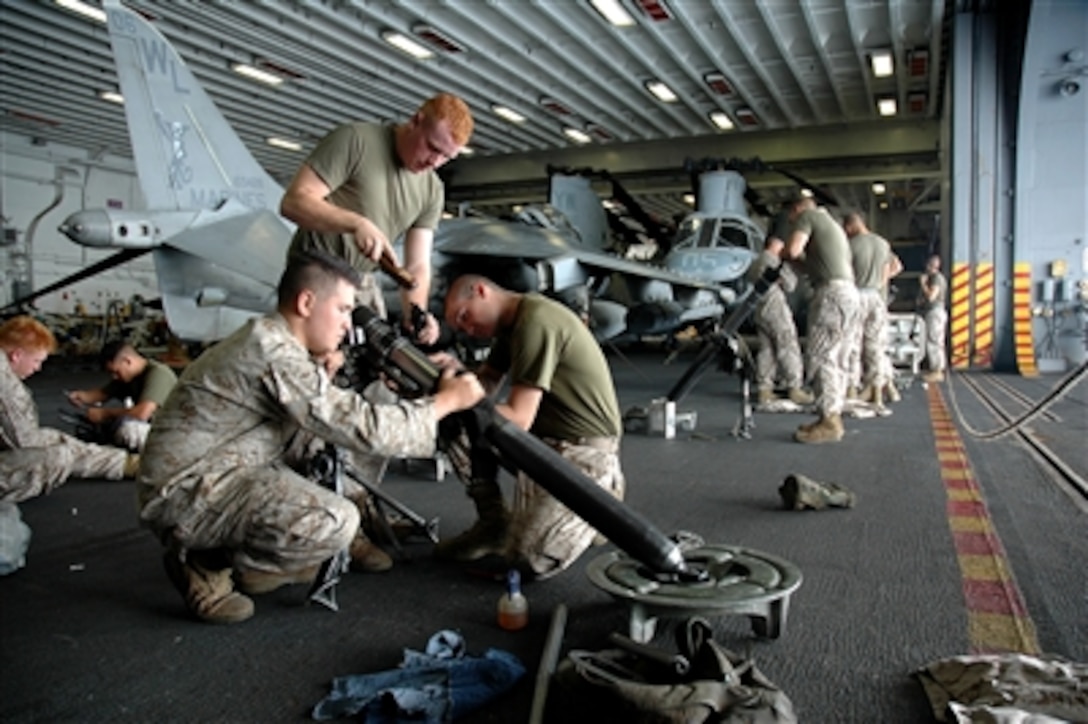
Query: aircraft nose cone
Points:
[90, 228]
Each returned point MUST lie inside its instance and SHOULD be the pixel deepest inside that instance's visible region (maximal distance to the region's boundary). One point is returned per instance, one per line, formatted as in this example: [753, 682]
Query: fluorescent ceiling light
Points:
[881, 61]
[721, 120]
[577, 136]
[89, 11]
[111, 96]
[508, 114]
[406, 45]
[807, 193]
[466, 151]
[613, 12]
[661, 91]
[256, 74]
[879, 188]
[887, 106]
[689, 199]
[284, 143]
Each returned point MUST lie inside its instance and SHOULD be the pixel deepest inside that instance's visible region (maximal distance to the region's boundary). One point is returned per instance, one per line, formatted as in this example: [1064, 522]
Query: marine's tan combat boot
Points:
[206, 587]
[253, 581]
[891, 393]
[487, 536]
[366, 557]
[765, 396]
[826, 429]
[132, 466]
[852, 393]
[801, 396]
[872, 394]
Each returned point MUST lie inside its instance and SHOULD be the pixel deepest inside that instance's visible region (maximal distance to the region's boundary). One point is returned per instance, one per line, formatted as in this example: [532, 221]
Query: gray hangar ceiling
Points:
[797, 83]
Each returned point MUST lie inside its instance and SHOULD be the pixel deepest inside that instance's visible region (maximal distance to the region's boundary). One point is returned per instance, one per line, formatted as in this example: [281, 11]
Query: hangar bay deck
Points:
[957, 544]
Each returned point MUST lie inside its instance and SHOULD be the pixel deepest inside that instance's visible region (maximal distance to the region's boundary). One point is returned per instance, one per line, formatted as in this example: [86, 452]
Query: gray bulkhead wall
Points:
[977, 223]
[1051, 204]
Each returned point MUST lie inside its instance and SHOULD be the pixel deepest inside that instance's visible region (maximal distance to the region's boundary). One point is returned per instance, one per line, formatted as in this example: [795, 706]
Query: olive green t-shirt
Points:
[153, 384]
[780, 226]
[936, 281]
[548, 347]
[358, 162]
[827, 254]
[869, 254]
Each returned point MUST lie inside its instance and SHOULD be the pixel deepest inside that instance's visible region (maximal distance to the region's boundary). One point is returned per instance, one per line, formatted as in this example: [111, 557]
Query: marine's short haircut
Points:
[315, 270]
[111, 351]
[24, 332]
[854, 217]
[799, 197]
[461, 286]
[448, 107]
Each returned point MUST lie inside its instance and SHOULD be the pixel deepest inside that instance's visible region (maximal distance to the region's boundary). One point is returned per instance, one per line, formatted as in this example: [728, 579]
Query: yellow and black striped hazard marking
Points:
[959, 322]
[984, 315]
[1021, 315]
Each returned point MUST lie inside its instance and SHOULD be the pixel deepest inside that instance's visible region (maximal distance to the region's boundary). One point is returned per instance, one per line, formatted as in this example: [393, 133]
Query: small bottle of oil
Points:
[513, 607]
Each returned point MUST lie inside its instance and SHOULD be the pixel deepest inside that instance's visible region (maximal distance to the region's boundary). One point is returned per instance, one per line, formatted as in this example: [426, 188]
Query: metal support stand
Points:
[328, 468]
[746, 421]
[427, 528]
[739, 581]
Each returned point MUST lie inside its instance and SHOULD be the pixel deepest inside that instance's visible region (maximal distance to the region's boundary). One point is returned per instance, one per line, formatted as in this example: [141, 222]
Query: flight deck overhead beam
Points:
[880, 143]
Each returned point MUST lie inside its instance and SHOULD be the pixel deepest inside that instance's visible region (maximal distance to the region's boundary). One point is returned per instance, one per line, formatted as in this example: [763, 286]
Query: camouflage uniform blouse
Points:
[19, 426]
[252, 399]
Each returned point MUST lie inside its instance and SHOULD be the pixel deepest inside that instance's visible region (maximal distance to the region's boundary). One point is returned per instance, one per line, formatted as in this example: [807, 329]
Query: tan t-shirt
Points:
[358, 161]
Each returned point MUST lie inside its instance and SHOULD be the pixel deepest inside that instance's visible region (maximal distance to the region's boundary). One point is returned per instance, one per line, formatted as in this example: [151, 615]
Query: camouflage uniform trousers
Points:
[32, 471]
[832, 322]
[868, 355]
[548, 535]
[270, 518]
[543, 533]
[778, 345]
[936, 320]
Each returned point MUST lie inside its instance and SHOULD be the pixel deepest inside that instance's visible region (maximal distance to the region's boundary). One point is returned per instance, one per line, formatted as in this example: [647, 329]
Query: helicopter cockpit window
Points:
[687, 232]
[733, 235]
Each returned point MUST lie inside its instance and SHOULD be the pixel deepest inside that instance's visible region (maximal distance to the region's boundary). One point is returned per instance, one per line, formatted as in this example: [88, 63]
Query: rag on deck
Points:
[436, 686]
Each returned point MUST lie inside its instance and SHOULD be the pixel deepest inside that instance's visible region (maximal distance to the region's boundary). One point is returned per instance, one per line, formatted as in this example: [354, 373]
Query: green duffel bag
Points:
[706, 683]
